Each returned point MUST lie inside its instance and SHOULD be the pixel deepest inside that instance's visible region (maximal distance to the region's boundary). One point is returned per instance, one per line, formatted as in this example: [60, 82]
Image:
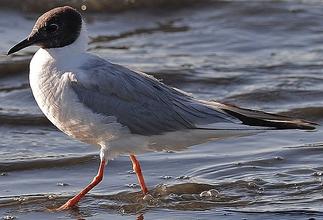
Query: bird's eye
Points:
[52, 28]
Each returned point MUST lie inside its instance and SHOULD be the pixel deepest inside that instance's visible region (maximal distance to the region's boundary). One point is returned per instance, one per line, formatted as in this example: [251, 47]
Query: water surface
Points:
[262, 55]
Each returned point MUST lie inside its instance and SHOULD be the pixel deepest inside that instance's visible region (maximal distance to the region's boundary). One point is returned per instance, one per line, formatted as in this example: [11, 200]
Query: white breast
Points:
[50, 82]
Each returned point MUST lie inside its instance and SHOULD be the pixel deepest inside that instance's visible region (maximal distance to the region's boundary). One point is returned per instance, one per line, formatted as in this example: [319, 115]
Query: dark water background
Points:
[262, 55]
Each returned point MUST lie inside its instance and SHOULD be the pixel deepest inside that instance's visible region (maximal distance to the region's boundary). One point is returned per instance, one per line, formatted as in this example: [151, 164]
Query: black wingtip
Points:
[263, 119]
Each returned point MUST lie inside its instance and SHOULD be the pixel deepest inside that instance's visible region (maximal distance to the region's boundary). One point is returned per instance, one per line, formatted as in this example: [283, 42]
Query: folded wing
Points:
[139, 101]
[146, 106]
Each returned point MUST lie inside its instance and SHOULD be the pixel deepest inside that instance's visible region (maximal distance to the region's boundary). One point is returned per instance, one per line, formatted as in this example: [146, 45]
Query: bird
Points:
[120, 110]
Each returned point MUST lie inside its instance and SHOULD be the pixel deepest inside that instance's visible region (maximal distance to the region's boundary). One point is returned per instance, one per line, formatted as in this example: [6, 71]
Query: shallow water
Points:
[263, 55]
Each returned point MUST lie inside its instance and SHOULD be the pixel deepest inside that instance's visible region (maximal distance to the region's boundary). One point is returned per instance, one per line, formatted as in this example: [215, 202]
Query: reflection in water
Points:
[140, 217]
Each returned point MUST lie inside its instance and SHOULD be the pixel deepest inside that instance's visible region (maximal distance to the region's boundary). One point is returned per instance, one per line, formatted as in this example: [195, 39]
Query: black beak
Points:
[32, 39]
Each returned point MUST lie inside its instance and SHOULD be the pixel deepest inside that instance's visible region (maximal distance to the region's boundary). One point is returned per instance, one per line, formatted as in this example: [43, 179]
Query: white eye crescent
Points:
[52, 28]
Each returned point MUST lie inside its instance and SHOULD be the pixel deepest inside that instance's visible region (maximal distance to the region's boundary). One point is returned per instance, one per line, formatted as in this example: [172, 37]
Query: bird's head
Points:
[56, 28]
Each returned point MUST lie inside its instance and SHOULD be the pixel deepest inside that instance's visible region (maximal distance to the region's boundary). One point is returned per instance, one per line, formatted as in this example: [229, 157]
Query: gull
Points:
[119, 110]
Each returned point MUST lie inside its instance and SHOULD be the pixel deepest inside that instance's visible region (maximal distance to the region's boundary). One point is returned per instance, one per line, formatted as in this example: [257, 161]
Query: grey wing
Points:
[139, 101]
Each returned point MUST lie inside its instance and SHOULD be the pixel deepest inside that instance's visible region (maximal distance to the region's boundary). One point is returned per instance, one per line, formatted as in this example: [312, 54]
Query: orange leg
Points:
[137, 169]
[96, 180]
